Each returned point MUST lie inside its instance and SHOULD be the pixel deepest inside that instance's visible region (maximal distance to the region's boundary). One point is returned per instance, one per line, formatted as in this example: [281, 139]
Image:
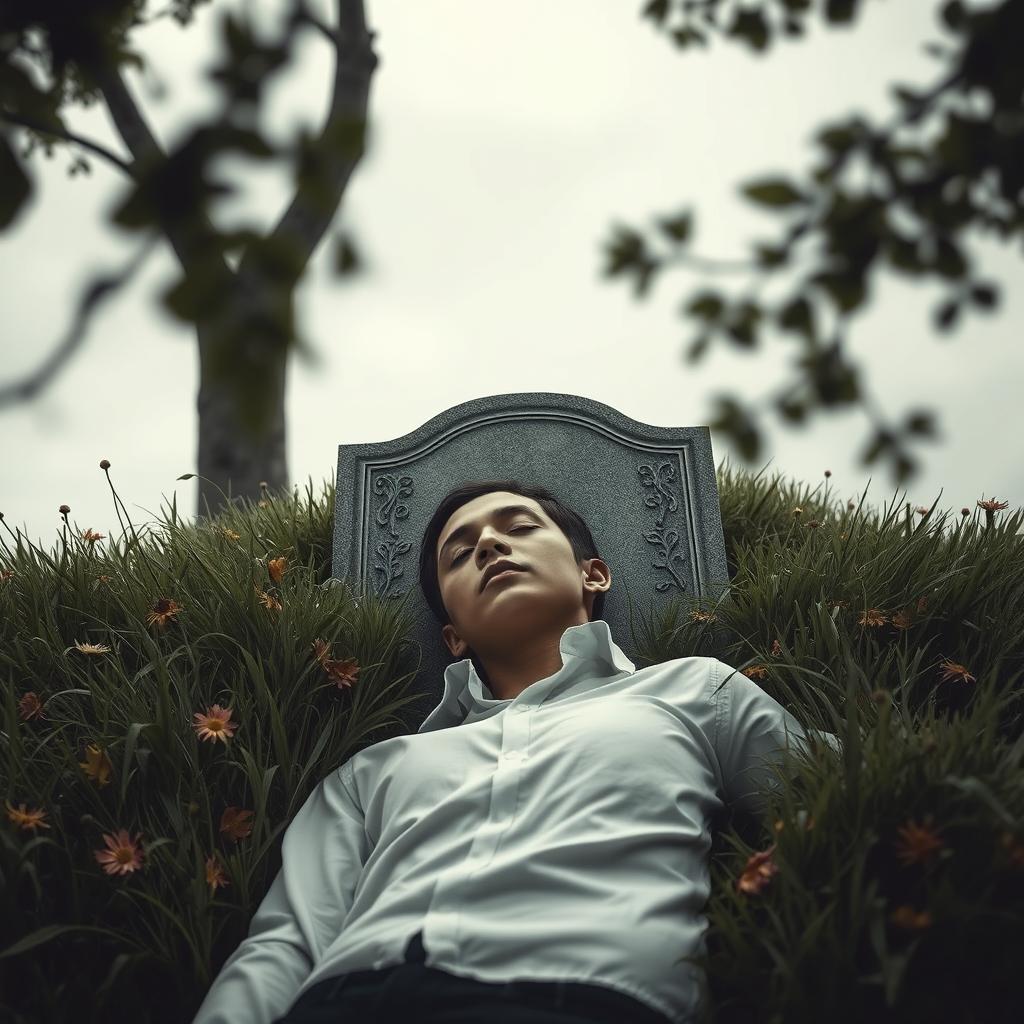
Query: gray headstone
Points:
[647, 493]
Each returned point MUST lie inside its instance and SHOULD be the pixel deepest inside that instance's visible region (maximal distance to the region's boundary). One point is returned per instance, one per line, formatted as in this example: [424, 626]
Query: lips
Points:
[497, 569]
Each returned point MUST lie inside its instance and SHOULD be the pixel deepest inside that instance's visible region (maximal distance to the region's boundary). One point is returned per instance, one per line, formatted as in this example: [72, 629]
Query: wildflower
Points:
[872, 617]
[812, 524]
[96, 649]
[851, 504]
[30, 706]
[262, 504]
[164, 610]
[64, 509]
[343, 672]
[698, 616]
[902, 620]
[96, 765]
[215, 724]
[91, 536]
[922, 604]
[321, 650]
[26, 819]
[917, 842]
[755, 672]
[992, 505]
[235, 824]
[776, 649]
[122, 855]
[229, 534]
[965, 511]
[6, 574]
[214, 875]
[102, 579]
[758, 872]
[950, 670]
[268, 601]
[798, 511]
[104, 464]
[828, 472]
[906, 917]
[921, 510]
[276, 568]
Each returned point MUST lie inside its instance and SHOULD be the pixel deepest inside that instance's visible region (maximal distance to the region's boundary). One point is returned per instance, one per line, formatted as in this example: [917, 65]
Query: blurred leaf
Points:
[677, 228]
[17, 186]
[774, 192]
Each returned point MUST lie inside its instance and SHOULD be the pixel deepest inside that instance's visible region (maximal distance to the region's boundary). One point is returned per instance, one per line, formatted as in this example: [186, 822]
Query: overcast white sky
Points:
[506, 140]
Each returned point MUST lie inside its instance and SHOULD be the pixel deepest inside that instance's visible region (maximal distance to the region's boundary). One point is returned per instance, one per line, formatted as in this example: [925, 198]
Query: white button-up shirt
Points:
[563, 834]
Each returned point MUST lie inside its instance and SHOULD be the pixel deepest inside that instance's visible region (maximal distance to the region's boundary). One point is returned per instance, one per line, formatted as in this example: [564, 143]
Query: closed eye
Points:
[465, 551]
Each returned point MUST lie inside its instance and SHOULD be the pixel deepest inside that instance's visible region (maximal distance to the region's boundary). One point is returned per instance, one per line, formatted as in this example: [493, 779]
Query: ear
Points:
[598, 576]
[457, 646]
[598, 579]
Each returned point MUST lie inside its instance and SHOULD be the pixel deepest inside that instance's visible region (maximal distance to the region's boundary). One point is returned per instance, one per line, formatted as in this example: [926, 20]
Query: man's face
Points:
[548, 588]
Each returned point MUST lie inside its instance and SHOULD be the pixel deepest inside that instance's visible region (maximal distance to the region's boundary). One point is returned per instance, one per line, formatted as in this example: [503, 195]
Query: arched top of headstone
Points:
[648, 494]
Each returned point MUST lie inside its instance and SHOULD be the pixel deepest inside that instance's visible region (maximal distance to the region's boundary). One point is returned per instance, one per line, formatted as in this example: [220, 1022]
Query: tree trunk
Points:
[236, 455]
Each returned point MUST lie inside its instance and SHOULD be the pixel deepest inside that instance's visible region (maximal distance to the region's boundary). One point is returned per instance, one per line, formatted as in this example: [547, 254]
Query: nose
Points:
[490, 538]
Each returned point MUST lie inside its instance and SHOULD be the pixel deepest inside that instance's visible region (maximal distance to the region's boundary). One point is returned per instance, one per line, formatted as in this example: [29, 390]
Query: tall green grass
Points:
[885, 883]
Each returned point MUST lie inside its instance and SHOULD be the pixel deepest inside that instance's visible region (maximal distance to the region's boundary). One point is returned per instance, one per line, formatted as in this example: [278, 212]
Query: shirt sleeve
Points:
[322, 855]
[751, 731]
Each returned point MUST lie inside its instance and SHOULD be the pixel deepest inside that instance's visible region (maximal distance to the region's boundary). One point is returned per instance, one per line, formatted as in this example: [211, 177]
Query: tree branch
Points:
[99, 289]
[22, 121]
[142, 144]
[307, 219]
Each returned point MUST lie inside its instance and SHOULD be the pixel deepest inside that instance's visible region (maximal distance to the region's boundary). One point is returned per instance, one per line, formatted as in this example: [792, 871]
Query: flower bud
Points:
[64, 510]
[104, 464]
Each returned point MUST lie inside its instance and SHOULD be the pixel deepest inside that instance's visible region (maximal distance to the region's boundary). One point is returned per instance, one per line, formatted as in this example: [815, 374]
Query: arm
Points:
[751, 728]
[322, 855]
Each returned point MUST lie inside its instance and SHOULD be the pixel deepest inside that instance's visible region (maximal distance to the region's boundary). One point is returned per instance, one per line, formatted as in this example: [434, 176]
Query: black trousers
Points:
[412, 992]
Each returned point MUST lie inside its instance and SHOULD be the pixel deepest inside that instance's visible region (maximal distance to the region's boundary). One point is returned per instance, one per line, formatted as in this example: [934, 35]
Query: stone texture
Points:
[647, 493]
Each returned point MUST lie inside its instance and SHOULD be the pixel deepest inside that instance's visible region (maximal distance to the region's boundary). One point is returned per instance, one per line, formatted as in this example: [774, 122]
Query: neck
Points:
[524, 661]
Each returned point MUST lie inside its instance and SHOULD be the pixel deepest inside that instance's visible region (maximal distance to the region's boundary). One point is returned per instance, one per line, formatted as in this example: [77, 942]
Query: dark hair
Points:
[567, 520]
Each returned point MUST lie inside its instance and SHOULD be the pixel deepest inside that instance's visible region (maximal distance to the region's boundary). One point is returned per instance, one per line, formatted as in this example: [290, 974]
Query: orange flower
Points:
[26, 819]
[321, 651]
[122, 855]
[902, 620]
[214, 875]
[776, 649]
[759, 871]
[698, 616]
[992, 505]
[872, 617]
[96, 765]
[755, 671]
[95, 649]
[952, 670]
[268, 601]
[917, 842]
[30, 706]
[343, 671]
[215, 724]
[276, 568]
[90, 536]
[165, 610]
[907, 917]
[234, 823]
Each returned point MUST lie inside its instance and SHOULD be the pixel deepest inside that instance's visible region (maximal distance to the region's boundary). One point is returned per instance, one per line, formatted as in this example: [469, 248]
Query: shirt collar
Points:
[587, 651]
